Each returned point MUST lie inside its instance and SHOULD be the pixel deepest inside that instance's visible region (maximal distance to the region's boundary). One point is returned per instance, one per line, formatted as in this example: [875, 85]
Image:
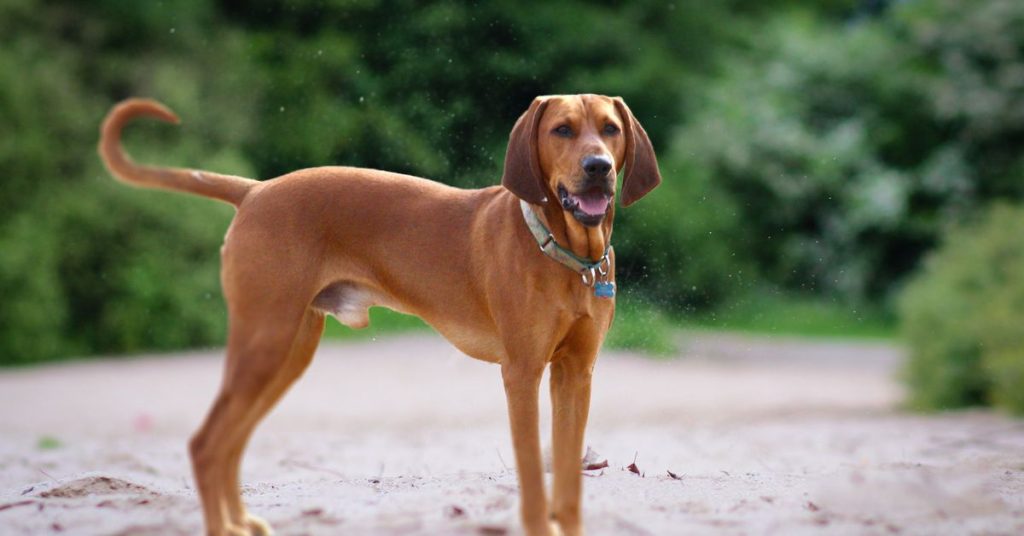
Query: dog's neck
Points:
[585, 242]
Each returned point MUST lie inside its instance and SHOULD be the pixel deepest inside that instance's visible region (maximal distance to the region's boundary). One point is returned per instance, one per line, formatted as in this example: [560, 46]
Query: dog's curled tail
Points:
[227, 188]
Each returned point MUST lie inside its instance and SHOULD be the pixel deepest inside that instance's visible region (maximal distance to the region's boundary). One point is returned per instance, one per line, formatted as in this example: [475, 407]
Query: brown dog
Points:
[337, 240]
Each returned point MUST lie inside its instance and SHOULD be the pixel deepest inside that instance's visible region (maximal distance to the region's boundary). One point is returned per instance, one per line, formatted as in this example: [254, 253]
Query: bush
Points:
[847, 147]
[106, 268]
[962, 317]
[264, 91]
[641, 327]
[677, 247]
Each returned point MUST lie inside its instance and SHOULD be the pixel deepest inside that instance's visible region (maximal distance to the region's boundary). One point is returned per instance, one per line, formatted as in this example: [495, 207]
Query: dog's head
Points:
[570, 148]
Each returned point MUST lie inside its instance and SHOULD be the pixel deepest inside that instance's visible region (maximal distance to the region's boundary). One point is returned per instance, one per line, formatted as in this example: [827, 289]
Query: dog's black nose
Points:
[596, 166]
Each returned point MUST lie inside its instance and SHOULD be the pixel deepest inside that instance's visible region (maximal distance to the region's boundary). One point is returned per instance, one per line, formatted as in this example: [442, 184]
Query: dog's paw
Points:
[576, 530]
[569, 528]
[234, 530]
[550, 528]
[257, 526]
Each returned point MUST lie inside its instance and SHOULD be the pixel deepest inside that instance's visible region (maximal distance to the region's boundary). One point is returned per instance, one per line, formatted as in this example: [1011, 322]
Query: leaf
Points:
[632, 468]
[592, 460]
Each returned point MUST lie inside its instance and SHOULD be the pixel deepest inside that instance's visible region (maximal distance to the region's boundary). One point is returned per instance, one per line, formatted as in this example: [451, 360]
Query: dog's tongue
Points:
[593, 204]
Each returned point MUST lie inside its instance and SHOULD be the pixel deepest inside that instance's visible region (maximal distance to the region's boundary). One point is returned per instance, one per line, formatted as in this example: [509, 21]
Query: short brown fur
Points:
[337, 240]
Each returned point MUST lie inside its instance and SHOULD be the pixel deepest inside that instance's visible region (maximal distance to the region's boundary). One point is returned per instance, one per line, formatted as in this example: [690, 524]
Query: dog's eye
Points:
[564, 131]
[611, 129]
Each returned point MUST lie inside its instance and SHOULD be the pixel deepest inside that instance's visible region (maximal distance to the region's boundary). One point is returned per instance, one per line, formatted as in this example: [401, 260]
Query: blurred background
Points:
[846, 168]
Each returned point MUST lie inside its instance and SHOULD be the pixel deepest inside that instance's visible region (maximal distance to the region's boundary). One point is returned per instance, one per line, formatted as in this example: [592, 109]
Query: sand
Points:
[407, 436]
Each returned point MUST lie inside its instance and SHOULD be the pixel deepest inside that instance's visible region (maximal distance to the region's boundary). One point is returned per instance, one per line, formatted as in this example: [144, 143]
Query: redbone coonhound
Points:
[337, 240]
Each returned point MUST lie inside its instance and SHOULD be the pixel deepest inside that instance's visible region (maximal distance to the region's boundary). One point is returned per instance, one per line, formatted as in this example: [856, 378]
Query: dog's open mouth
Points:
[588, 206]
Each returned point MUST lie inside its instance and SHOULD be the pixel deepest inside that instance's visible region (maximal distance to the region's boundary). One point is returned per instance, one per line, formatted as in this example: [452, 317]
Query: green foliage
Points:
[434, 91]
[93, 276]
[641, 326]
[807, 315]
[382, 322]
[85, 263]
[1006, 371]
[817, 147]
[33, 313]
[678, 246]
[116, 266]
[264, 88]
[48, 443]
[847, 147]
[962, 317]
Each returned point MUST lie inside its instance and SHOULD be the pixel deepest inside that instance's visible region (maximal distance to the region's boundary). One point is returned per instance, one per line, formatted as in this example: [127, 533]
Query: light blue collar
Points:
[590, 271]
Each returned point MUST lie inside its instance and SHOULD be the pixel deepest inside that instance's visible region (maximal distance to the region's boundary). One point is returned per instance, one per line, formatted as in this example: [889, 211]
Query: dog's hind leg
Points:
[303, 348]
[260, 342]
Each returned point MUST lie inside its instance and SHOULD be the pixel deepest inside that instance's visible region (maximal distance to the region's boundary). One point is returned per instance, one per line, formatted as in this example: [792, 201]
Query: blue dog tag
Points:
[604, 289]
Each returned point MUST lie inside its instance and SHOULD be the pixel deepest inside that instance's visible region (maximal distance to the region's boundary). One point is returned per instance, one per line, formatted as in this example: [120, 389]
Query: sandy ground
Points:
[407, 436]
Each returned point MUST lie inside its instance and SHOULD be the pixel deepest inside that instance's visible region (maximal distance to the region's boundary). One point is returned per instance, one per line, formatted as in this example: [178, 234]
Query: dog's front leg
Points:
[522, 388]
[570, 404]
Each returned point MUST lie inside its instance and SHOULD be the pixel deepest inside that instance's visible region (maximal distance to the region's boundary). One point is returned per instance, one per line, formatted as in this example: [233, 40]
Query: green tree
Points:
[848, 149]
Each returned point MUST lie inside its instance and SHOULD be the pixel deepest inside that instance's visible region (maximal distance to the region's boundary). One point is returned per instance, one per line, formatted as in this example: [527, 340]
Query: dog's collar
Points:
[590, 271]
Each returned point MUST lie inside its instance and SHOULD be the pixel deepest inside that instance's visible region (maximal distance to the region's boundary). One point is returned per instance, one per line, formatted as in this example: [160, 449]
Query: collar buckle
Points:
[590, 271]
[547, 242]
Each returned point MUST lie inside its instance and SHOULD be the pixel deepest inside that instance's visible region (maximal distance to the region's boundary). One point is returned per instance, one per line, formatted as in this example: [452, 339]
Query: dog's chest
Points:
[472, 342]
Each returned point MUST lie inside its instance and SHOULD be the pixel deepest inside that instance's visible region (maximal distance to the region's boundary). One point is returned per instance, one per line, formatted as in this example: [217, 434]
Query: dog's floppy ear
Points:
[522, 175]
[642, 173]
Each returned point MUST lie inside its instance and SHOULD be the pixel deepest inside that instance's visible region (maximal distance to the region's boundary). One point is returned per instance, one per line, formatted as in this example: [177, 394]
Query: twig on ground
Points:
[16, 504]
[311, 467]
[47, 475]
[502, 460]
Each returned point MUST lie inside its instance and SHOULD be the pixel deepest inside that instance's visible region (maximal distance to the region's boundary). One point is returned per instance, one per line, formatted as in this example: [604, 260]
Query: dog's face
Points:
[581, 147]
[570, 148]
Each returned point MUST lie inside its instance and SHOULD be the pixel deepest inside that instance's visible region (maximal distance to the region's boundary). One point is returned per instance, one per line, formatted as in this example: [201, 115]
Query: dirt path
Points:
[407, 436]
